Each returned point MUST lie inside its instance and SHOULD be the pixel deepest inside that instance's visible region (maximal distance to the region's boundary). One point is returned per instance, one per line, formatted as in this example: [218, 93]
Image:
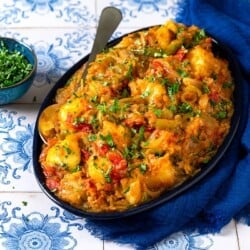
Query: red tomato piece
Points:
[214, 96]
[103, 149]
[180, 54]
[49, 171]
[119, 169]
[84, 127]
[53, 182]
[85, 154]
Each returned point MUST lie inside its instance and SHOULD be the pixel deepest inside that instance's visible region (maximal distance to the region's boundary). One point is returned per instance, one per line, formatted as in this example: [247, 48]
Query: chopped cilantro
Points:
[108, 139]
[107, 175]
[129, 73]
[141, 133]
[227, 85]
[198, 36]
[221, 115]
[205, 89]
[157, 112]
[182, 72]
[114, 107]
[145, 94]
[25, 203]
[14, 67]
[185, 108]
[102, 107]
[92, 137]
[143, 167]
[173, 89]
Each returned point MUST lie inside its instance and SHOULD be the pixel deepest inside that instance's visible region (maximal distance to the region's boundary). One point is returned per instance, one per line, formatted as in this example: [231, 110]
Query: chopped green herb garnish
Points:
[141, 133]
[173, 89]
[76, 169]
[221, 115]
[108, 139]
[25, 203]
[107, 176]
[143, 167]
[114, 107]
[126, 190]
[165, 81]
[92, 137]
[94, 122]
[150, 51]
[94, 98]
[182, 72]
[129, 73]
[185, 108]
[157, 112]
[227, 85]
[205, 89]
[145, 94]
[14, 67]
[78, 120]
[151, 78]
[198, 36]
[102, 107]
[67, 149]
[172, 108]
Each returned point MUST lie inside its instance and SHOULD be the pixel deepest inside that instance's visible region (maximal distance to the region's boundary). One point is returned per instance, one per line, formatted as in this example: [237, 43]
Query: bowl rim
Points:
[168, 195]
[34, 65]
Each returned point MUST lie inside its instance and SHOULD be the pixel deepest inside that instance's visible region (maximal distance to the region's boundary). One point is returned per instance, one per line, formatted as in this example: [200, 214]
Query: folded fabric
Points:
[224, 193]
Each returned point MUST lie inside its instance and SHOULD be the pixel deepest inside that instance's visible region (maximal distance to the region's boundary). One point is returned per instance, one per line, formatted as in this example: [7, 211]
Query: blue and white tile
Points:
[47, 13]
[227, 239]
[26, 224]
[243, 234]
[143, 13]
[16, 136]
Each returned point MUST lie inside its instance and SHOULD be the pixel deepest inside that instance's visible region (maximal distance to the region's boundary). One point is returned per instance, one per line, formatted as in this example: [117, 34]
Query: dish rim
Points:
[221, 49]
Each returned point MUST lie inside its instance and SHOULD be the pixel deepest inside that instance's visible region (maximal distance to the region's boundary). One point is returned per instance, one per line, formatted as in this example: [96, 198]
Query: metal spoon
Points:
[108, 22]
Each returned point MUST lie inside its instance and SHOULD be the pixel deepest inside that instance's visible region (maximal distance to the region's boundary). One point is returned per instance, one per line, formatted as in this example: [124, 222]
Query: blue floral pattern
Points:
[184, 241]
[36, 231]
[54, 59]
[16, 146]
[52, 63]
[14, 11]
[131, 8]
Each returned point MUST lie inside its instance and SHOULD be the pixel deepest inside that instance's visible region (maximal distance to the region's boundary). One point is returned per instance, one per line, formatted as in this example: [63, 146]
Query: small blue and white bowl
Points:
[12, 93]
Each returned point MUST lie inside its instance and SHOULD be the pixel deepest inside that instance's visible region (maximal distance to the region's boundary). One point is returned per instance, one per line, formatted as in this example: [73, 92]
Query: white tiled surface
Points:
[61, 32]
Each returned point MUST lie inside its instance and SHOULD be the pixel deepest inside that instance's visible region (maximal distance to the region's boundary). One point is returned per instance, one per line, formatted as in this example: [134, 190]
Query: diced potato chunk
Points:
[153, 92]
[203, 62]
[98, 169]
[65, 153]
[119, 133]
[162, 174]
[134, 193]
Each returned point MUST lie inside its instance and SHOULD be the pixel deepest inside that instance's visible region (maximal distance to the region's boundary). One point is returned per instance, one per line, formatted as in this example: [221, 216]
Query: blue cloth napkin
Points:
[224, 193]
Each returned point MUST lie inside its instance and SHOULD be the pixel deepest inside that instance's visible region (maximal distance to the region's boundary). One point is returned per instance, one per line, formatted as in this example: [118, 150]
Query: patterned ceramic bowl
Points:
[14, 91]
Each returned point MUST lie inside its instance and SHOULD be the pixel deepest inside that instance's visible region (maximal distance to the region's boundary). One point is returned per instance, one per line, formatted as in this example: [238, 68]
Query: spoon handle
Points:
[108, 22]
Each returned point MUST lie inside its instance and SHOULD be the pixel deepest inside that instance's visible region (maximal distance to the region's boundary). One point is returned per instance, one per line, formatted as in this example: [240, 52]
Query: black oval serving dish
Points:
[219, 49]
